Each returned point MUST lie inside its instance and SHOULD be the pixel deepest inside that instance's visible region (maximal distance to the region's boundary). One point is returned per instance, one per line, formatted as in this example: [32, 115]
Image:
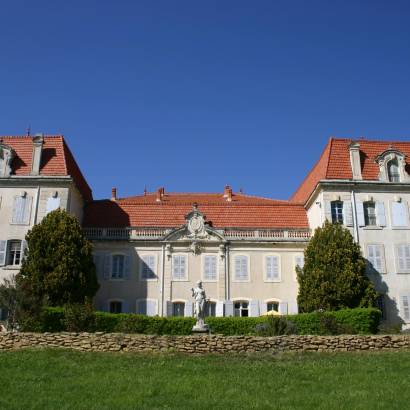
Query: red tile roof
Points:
[334, 163]
[243, 211]
[56, 160]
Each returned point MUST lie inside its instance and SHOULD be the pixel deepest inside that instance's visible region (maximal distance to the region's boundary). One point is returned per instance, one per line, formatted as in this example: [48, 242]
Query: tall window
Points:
[403, 258]
[241, 267]
[178, 308]
[337, 211]
[210, 309]
[272, 306]
[272, 268]
[179, 270]
[375, 255]
[148, 267]
[241, 309]
[115, 306]
[210, 262]
[393, 171]
[117, 270]
[369, 209]
[14, 253]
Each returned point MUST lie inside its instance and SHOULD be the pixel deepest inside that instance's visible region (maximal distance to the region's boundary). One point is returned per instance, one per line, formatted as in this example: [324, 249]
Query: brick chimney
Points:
[38, 141]
[160, 194]
[113, 194]
[228, 193]
[354, 150]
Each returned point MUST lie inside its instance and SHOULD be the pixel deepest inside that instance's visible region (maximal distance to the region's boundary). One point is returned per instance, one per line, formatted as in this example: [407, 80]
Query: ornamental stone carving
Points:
[6, 156]
[196, 224]
[389, 155]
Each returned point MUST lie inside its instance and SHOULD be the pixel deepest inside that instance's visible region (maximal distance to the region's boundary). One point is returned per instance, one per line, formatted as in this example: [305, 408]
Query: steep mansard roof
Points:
[334, 163]
[243, 211]
[56, 160]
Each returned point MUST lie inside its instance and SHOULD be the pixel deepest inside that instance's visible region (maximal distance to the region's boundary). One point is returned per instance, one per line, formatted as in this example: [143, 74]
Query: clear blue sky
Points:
[193, 95]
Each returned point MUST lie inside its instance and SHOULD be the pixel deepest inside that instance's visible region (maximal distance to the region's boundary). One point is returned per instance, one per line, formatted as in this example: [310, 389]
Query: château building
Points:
[152, 248]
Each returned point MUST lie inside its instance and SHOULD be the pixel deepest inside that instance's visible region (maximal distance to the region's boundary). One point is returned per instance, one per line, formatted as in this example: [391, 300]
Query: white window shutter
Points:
[52, 204]
[169, 308]
[254, 308]
[107, 266]
[23, 249]
[275, 267]
[293, 308]
[125, 307]
[219, 309]
[3, 252]
[263, 307]
[399, 215]
[142, 307]
[228, 308]
[17, 210]
[188, 310]
[405, 305]
[152, 307]
[360, 213]
[380, 214]
[127, 266]
[283, 308]
[328, 210]
[347, 213]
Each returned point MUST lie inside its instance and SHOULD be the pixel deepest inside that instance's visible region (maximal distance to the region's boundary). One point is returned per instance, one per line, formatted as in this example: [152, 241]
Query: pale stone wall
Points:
[105, 342]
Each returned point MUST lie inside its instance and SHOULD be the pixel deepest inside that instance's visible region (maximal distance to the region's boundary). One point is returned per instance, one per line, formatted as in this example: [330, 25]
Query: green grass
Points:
[61, 379]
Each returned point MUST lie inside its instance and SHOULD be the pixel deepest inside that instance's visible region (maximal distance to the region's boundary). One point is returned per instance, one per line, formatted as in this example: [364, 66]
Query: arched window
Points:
[178, 308]
[241, 308]
[272, 306]
[115, 306]
[393, 171]
[210, 309]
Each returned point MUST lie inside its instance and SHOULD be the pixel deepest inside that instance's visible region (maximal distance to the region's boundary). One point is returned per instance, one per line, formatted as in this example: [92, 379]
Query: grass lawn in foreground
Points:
[62, 379]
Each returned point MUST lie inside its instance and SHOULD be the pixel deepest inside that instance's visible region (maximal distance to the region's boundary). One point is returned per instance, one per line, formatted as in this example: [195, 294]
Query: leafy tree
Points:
[334, 273]
[59, 267]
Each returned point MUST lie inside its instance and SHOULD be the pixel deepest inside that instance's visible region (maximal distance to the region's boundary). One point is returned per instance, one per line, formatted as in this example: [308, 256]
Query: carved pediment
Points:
[392, 154]
[6, 157]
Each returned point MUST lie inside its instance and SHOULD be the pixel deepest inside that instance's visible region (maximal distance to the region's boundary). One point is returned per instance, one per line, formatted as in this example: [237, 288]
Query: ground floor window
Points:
[272, 306]
[14, 254]
[241, 309]
[178, 308]
[3, 314]
[115, 306]
[210, 309]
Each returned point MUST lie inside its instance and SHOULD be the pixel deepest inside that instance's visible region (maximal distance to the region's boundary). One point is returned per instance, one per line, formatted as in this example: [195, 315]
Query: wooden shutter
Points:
[152, 307]
[360, 213]
[293, 308]
[299, 261]
[169, 308]
[3, 252]
[405, 304]
[228, 308]
[399, 216]
[347, 213]
[107, 266]
[254, 308]
[380, 214]
[188, 310]
[210, 267]
[18, 210]
[328, 211]
[52, 204]
[142, 306]
[403, 258]
[125, 307]
[127, 266]
[241, 267]
[23, 249]
[263, 307]
[283, 308]
[272, 268]
[219, 309]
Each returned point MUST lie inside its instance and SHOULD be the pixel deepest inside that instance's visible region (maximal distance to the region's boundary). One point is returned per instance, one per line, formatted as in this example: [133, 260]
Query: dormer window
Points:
[6, 156]
[393, 171]
[392, 165]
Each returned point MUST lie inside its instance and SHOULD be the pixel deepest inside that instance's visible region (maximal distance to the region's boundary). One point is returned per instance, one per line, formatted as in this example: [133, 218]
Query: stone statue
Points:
[200, 302]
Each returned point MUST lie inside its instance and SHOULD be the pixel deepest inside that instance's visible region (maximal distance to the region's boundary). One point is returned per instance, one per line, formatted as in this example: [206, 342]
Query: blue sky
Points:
[194, 95]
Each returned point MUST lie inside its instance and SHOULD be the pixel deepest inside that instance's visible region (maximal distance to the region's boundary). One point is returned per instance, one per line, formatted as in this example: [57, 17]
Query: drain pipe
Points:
[355, 225]
[162, 280]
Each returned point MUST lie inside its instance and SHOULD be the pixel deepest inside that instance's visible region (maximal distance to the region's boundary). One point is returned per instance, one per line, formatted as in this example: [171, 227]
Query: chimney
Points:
[38, 141]
[354, 150]
[114, 194]
[228, 193]
[159, 194]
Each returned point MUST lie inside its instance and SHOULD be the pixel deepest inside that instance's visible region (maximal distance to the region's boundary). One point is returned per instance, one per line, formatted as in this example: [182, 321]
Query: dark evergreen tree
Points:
[59, 267]
[334, 272]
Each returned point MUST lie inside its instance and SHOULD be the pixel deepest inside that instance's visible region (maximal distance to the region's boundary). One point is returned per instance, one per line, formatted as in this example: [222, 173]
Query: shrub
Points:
[79, 318]
[276, 326]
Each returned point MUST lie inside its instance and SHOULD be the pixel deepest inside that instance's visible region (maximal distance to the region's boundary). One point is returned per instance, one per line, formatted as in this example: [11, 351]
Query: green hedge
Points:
[353, 321]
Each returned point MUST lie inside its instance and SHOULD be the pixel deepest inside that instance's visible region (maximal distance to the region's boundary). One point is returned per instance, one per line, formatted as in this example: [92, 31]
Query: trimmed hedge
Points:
[352, 321]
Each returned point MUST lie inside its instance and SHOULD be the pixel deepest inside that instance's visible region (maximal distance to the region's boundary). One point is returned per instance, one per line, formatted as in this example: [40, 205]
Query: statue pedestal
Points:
[200, 327]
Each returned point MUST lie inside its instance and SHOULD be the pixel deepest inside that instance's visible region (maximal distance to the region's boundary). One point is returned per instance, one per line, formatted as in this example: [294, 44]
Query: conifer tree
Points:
[334, 272]
[59, 267]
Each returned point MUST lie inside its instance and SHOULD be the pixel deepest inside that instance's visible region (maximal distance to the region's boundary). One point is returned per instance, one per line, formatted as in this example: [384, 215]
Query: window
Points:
[117, 269]
[209, 268]
[148, 267]
[241, 309]
[272, 306]
[179, 268]
[14, 254]
[393, 171]
[115, 306]
[272, 268]
[178, 308]
[405, 302]
[241, 267]
[53, 203]
[399, 214]
[210, 309]
[369, 209]
[403, 258]
[337, 211]
[147, 307]
[375, 255]
[21, 209]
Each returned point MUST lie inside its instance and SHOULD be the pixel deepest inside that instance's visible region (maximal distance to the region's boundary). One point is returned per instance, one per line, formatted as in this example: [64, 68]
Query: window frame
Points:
[390, 176]
[367, 216]
[141, 267]
[337, 213]
[265, 267]
[382, 256]
[186, 256]
[406, 216]
[9, 243]
[241, 308]
[272, 301]
[396, 254]
[248, 273]
[28, 206]
[178, 302]
[114, 254]
[116, 301]
[203, 277]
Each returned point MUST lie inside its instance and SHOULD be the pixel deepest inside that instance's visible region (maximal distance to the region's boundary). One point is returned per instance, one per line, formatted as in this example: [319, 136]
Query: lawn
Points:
[61, 379]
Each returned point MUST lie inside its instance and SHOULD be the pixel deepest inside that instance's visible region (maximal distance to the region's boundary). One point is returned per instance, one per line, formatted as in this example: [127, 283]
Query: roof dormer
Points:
[6, 157]
[392, 165]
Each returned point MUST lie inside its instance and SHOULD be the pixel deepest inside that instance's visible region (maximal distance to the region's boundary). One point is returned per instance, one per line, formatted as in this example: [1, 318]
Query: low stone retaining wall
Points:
[105, 342]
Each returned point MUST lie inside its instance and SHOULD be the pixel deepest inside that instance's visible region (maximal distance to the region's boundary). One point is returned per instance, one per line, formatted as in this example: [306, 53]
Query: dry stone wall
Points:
[106, 342]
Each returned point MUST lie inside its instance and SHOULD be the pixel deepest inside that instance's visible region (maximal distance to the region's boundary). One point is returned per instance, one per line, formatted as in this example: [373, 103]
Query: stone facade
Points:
[116, 342]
